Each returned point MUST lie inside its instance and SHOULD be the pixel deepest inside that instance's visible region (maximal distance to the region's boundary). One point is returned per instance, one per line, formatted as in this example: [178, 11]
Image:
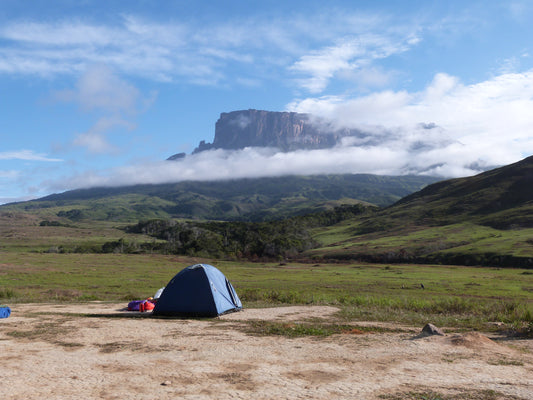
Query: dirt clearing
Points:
[97, 351]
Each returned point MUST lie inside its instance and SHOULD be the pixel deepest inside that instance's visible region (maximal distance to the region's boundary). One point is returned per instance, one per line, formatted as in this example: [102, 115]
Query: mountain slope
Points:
[484, 219]
[242, 199]
[502, 197]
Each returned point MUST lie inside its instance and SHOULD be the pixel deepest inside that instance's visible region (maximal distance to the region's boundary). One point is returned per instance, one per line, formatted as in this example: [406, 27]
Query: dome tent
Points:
[199, 290]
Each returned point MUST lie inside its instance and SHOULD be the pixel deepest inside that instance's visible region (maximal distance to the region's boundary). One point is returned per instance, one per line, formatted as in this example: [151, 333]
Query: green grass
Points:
[459, 394]
[39, 277]
[312, 328]
[452, 296]
[29, 236]
[476, 241]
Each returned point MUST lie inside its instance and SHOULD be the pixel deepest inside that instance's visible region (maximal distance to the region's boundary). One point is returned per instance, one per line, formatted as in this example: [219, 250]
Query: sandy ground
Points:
[96, 351]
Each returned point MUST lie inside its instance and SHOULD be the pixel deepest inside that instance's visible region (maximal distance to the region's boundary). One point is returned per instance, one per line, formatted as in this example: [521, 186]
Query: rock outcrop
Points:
[286, 131]
[176, 157]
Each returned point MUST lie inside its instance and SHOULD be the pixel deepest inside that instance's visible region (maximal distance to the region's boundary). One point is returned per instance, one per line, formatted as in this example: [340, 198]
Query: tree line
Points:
[242, 240]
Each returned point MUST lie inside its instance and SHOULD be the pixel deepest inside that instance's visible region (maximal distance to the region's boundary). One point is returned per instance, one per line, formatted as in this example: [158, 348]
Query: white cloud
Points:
[260, 162]
[95, 143]
[95, 140]
[26, 155]
[62, 33]
[348, 55]
[100, 89]
[488, 123]
[115, 102]
[207, 53]
[246, 163]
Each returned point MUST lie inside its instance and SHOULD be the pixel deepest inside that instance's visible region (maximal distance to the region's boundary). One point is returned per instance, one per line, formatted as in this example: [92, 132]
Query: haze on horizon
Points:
[96, 94]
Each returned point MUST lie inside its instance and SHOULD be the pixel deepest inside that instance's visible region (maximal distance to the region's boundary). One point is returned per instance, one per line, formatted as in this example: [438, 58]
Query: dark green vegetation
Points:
[243, 199]
[237, 240]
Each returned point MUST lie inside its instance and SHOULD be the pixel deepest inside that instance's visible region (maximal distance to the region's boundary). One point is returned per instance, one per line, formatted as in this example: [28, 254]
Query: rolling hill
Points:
[243, 199]
[486, 219]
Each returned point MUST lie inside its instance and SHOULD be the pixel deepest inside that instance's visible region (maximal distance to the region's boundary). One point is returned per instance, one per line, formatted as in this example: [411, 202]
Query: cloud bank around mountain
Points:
[449, 129]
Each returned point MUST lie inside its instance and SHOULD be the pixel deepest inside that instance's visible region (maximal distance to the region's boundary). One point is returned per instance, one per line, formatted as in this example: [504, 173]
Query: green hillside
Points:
[233, 200]
[483, 220]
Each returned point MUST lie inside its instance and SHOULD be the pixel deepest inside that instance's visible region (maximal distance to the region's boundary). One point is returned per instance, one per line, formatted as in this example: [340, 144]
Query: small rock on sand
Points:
[431, 329]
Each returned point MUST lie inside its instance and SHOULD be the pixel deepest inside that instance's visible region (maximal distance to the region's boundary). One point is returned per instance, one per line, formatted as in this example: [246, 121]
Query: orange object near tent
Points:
[146, 306]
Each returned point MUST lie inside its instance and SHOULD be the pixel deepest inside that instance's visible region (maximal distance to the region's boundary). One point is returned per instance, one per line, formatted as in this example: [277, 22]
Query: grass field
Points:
[31, 270]
[476, 242]
[461, 297]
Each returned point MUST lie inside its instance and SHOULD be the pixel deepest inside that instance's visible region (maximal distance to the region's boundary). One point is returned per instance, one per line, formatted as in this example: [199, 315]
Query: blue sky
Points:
[101, 93]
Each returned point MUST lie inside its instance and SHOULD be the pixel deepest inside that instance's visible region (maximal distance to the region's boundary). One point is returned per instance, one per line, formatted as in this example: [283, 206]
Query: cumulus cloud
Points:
[114, 101]
[482, 124]
[101, 90]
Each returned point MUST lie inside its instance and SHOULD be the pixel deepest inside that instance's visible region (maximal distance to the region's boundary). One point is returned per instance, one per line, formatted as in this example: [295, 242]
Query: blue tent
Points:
[199, 290]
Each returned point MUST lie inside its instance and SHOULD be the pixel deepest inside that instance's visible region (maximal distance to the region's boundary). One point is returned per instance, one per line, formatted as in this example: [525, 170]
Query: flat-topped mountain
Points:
[286, 131]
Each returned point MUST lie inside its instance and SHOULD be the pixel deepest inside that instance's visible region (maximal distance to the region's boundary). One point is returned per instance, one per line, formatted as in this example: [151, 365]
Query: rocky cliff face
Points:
[286, 131]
